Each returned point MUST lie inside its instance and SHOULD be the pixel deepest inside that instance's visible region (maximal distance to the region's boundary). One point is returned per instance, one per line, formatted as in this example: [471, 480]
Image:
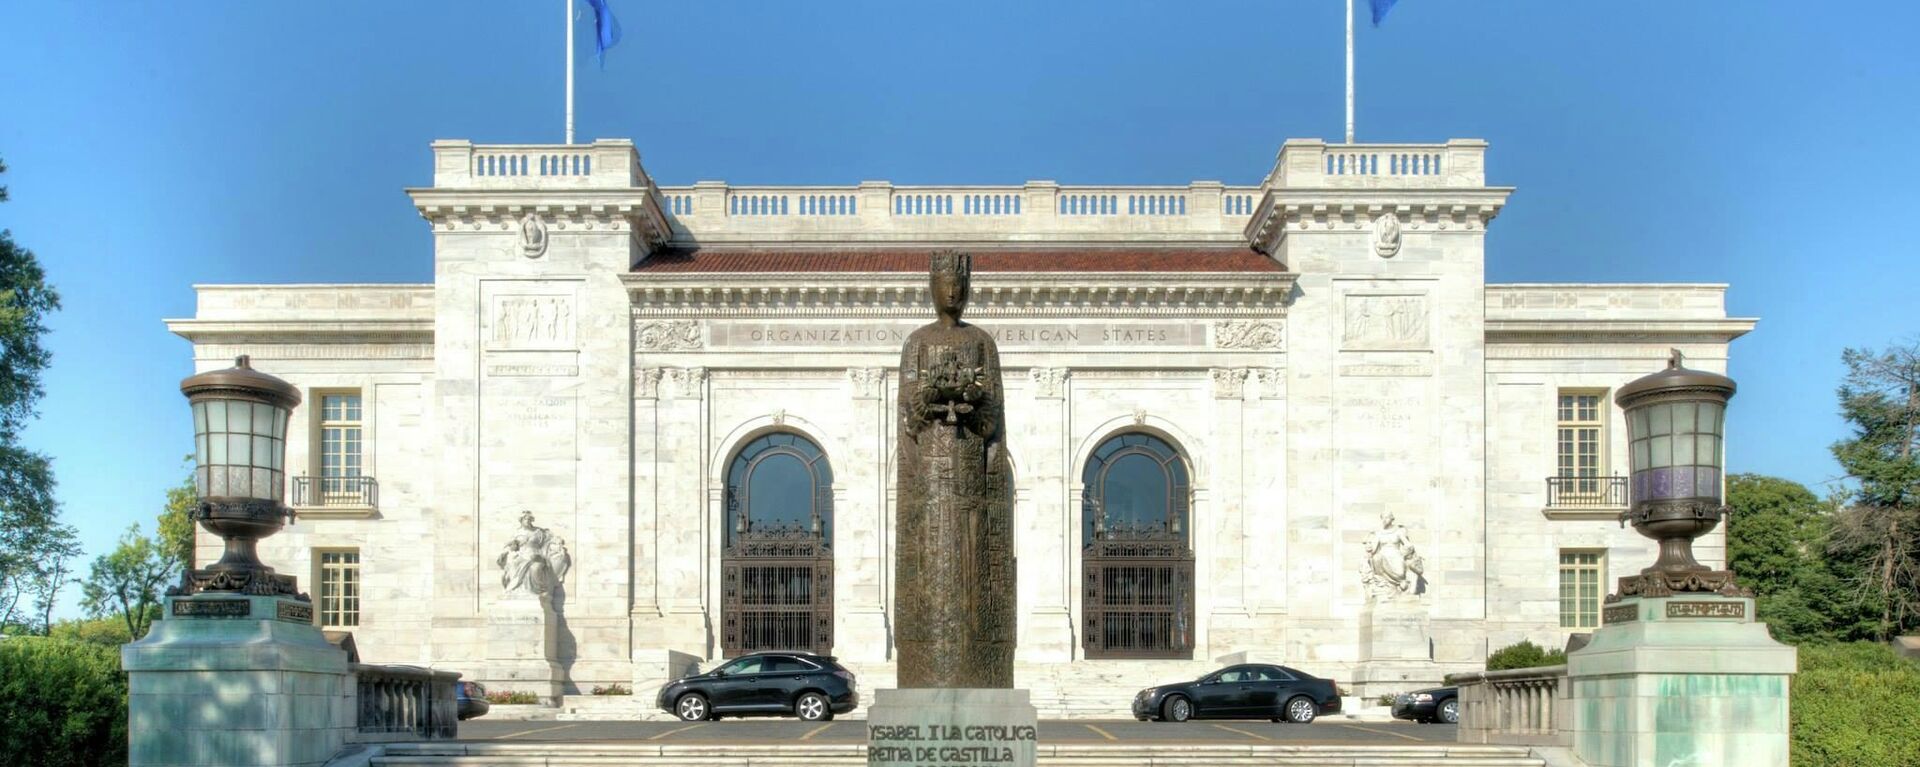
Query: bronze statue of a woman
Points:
[954, 571]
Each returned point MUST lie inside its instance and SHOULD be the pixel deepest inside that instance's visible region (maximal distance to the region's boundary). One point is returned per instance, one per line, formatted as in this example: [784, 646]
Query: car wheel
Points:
[692, 707]
[1176, 709]
[812, 707]
[1450, 711]
[1301, 710]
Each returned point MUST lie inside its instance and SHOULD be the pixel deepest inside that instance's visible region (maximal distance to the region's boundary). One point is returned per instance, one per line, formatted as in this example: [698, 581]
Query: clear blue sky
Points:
[158, 144]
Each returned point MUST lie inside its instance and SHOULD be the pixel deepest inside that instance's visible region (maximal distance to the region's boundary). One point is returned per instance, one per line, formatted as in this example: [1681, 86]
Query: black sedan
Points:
[1435, 704]
[1252, 691]
[812, 687]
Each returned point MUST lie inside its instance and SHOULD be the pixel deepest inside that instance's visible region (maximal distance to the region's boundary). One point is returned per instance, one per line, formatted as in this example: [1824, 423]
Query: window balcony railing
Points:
[1586, 492]
[325, 492]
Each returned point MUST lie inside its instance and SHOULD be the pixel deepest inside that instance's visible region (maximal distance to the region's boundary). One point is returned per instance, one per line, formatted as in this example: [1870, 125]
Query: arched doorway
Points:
[777, 564]
[1138, 565]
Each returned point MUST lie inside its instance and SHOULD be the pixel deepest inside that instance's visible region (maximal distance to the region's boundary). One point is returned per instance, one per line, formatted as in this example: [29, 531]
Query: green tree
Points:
[33, 542]
[176, 520]
[1777, 541]
[1880, 528]
[128, 581]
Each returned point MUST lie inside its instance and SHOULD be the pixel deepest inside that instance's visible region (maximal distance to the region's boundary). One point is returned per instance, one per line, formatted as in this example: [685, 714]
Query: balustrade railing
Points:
[1586, 492]
[1517, 707]
[399, 703]
[336, 492]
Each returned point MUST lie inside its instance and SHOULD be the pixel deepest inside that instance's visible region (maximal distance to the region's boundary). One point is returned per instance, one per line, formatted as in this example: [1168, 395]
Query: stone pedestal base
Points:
[1395, 649]
[522, 645]
[931, 727]
[1687, 679]
[226, 680]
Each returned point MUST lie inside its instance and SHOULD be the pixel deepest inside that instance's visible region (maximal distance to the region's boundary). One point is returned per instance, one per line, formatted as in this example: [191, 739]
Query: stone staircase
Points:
[1081, 690]
[599, 754]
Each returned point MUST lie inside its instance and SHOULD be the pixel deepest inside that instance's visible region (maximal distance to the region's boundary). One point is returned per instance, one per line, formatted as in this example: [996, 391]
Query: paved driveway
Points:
[775, 731]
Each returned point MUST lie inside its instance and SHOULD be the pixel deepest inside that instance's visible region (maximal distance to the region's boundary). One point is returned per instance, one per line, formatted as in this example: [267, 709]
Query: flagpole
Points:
[567, 6]
[1349, 72]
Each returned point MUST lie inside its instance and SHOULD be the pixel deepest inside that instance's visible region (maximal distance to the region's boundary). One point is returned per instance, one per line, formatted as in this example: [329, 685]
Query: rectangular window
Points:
[339, 588]
[1579, 448]
[1580, 593]
[340, 459]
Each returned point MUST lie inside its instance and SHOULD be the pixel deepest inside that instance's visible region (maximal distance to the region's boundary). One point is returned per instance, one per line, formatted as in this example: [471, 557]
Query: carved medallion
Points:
[1386, 235]
[668, 336]
[533, 236]
[1253, 335]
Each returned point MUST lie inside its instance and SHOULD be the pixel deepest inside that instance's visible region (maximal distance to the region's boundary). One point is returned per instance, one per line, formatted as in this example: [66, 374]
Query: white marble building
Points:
[1306, 354]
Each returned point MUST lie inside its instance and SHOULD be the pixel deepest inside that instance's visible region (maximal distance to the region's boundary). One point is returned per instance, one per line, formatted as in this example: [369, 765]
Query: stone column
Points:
[1048, 519]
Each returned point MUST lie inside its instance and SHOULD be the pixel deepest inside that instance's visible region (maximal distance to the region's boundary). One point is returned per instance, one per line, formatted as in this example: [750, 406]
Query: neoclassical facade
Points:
[1288, 421]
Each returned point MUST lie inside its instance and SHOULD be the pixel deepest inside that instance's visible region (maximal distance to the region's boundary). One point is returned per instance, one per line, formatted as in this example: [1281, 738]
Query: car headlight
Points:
[1420, 697]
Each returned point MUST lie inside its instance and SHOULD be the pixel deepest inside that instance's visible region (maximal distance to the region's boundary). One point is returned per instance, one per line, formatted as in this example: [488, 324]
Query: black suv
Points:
[812, 687]
[1253, 691]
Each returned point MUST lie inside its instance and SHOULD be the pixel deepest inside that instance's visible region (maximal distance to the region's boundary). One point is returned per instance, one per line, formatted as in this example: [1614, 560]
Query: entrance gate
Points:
[777, 566]
[1137, 580]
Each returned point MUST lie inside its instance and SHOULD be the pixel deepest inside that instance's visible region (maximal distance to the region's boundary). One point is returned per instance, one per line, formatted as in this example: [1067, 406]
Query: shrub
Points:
[512, 698]
[612, 689]
[62, 702]
[1853, 704]
[1524, 655]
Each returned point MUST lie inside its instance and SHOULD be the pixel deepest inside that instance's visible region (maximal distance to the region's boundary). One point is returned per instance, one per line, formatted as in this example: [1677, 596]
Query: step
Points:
[584, 754]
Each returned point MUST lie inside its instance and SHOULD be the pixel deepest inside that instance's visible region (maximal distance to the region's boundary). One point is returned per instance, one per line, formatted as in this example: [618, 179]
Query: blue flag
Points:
[606, 30]
[1380, 8]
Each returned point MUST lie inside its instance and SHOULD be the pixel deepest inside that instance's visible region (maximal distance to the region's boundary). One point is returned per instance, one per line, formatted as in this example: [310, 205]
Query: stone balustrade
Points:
[1517, 707]
[715, 212]
[404, 703]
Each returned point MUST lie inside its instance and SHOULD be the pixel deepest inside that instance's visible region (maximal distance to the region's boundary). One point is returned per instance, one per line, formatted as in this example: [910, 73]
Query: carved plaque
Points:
[1387, 322]
[212, 608]
[1620, 614]
[294, 612]
[1737, 610]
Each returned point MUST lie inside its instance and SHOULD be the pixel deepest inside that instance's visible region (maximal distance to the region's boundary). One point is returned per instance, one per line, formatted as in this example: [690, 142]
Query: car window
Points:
[743, 666]
[1275, 674]
[1235, 675]
[783, 665]
[1296, 673]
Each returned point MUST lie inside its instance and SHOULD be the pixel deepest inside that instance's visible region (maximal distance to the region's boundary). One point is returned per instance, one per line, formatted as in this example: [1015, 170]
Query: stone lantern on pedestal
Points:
[235, 672]
[1679, 672]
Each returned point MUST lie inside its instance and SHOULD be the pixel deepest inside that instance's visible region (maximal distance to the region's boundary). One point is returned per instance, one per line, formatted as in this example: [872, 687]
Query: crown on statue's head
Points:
[953, 262]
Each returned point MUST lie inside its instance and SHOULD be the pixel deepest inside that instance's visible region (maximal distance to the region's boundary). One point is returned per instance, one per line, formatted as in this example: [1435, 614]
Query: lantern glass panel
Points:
[199, 417]
[237, 452]
[1683, 450]
[1637, 427]
[217, 415]
[1662, 452]
[217, 448]
[1709, 450]
[240, 417]
[1640, 455]
[1683, 416]
[1710, 418]
[1660, 419]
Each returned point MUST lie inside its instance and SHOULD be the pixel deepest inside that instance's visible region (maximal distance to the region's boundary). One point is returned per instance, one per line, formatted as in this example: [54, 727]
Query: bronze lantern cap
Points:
[1675, 379]
[242, 380]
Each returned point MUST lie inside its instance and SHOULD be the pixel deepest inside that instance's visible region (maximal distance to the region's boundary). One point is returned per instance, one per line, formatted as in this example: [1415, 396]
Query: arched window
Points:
[1135, 483]
[1138, 566]
[780, 482]
[777, 564]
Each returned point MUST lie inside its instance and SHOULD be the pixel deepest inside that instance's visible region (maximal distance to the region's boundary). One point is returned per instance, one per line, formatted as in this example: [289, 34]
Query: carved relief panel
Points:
[1384, 322]
[514, 321]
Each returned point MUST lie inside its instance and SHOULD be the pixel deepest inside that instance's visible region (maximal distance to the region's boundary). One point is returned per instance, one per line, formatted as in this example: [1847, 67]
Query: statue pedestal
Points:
[225, 680]
[522, 648]
[1687, 679]
[923, 727]
[1395, 648]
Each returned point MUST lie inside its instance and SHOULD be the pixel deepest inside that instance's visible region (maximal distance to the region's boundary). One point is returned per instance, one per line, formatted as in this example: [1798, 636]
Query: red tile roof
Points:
[715, 260]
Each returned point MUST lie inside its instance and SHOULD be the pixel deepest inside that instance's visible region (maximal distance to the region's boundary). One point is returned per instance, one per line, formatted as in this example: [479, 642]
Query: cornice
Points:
[893, 294]
[1615, 331]
[637, 211]
[1419, 210]
[298, 331]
